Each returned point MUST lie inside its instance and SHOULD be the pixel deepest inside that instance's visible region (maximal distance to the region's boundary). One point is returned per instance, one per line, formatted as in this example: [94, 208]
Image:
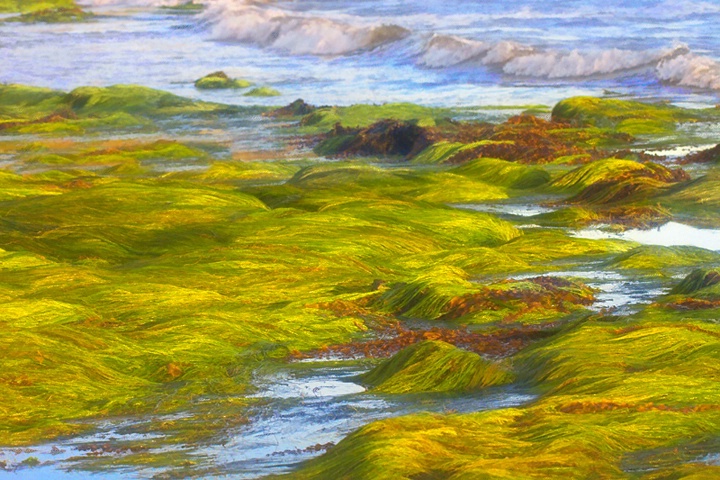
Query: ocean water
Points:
[470, 53]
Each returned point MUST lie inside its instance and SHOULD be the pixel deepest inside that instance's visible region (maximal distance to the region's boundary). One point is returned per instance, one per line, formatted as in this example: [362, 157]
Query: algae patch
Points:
[435, 366]
[219, 80]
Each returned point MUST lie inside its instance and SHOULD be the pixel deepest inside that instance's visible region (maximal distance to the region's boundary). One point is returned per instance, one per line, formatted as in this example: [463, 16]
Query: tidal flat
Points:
[359, 240]
[198, 290]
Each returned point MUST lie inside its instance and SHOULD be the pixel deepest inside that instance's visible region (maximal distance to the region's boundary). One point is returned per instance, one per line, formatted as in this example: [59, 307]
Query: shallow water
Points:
[299, 413]
[671, 234]
[507, 209]
[615, 292]
[337, 52]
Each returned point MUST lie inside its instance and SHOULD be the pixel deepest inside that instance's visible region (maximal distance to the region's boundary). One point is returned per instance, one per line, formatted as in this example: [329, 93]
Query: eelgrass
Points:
[220, 81]
[53, 15]
[20, 6]
[435, 366]
[626, 116]
[131, 291]
[86, 109]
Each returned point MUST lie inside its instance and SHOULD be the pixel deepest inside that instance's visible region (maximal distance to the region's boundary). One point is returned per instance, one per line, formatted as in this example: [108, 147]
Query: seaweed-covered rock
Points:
[532, 140]
[614, 180]
[297, 108]
[24, 6]
[435, 366]
[711, 155]
[697, 280]
[53, 15]
[655, 257]
[187, 8]
[501, 172]
[386, 137]
[219, 81]
[628, 116]
[262, 92]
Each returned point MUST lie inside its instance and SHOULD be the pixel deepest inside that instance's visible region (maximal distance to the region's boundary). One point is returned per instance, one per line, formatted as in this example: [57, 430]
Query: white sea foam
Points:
[522, 60]
[447, 50]
[690, 70]
[295, 33]
[265, 24]
[575, 63]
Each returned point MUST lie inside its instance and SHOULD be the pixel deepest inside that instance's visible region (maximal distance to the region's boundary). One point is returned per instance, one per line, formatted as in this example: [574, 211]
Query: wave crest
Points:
[690, 70]
[295, 33]
[516, 59]
[575, 64]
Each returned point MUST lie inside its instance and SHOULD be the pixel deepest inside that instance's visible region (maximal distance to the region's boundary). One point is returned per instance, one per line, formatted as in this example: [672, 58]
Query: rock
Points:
[386, 137]
[219, 80]
[711, 155]
[53, 15]
[298, 108]
[263, 92]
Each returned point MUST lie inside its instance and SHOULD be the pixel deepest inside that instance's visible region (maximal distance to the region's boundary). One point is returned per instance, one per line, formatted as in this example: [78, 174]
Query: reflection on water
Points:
[672, 234]
[614, 291]
[302, 412]
[298, 416]
[519, 210]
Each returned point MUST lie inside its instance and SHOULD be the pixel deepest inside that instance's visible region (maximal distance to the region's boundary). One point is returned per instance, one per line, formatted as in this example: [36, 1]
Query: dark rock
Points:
[298, 108]
[711, 155]
[386, 137]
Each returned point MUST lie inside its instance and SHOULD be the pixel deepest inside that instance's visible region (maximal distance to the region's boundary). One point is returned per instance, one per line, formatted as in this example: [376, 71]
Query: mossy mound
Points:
[219, 80]
[23, 6]
[698, 280]
[611, 181]
[445, 152]
[650, 257]
[119, 152]
[189, 7]
[625, 116]
[17, 101]
[361, 116]
[384, 138]
[246, 171]
[263, 92]
[501, 172]
[698, 199]
[446, 294]
[358, 179]
[435, 366]
[120, 107]
[132, 99]
[54, 15]
[608, 170]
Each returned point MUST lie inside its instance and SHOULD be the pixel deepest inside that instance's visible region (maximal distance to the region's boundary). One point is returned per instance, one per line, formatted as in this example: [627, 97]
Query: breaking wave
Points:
[675, 66]
[516, 59]
[444, 51]
[294, 32]
[690, 70]
[265, 24]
